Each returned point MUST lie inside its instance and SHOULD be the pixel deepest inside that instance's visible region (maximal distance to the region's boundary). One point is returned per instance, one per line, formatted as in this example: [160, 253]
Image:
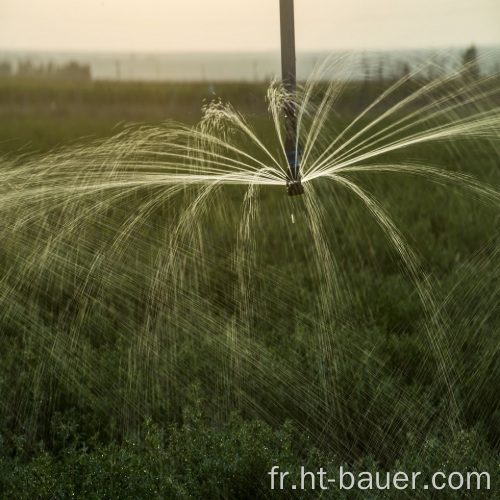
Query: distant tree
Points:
[366, 68]
[74, 71]
[380, 70]
[436, 67]
[5, 69]
[404, 69]
[69, 71]
[26, 68]
[470, 64]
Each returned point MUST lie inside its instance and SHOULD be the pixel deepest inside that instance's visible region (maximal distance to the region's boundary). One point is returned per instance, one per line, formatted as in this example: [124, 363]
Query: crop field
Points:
[172, 325]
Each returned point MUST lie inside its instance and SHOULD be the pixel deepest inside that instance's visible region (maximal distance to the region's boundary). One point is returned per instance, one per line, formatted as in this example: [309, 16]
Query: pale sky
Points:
[237, 25]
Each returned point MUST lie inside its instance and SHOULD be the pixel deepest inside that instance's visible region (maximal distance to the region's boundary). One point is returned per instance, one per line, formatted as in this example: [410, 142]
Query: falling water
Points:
[166, 264]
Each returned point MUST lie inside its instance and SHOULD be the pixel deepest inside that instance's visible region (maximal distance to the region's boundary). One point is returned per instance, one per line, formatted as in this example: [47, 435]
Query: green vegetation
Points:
[37, 115]
[123, 378]
[199, 460]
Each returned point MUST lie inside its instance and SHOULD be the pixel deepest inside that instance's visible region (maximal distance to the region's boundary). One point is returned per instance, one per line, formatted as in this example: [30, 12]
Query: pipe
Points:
[289, 78]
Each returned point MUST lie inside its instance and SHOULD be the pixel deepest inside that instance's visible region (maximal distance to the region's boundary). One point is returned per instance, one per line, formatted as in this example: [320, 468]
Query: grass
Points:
[140, 397]
[38, 115]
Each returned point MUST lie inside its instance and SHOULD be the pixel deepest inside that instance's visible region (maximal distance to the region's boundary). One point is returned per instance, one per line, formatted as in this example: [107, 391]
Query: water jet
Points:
[156, 269]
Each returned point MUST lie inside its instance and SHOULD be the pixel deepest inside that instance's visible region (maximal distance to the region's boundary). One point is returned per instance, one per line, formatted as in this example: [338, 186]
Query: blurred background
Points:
[64, 65]
[227, 40]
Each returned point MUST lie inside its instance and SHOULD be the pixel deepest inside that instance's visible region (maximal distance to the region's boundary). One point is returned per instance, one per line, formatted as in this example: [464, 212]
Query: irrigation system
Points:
[289, 77]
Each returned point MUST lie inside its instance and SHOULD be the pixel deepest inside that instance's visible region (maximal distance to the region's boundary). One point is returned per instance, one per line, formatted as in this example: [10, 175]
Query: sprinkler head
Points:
[293, 188]
[293, 181]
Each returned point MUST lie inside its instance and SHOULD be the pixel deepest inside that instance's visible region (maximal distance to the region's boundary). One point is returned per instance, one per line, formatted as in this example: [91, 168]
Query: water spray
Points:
[288, 74]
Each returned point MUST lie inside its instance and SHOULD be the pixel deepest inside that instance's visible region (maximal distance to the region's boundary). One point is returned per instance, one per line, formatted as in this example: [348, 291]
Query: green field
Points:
[166, 341]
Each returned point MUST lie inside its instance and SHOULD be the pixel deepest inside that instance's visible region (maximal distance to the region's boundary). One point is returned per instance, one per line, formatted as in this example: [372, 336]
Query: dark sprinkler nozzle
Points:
[294, 188]
[293, 180]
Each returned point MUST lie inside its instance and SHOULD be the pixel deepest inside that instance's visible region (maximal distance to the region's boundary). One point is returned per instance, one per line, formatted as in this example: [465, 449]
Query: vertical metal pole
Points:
[289, 77]
[288, 69]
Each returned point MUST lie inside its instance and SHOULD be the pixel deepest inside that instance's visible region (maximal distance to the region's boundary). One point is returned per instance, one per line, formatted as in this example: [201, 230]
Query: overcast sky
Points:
[244, 25]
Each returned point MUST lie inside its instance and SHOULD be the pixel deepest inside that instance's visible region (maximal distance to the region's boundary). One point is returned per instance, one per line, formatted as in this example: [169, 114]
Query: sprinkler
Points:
[288, 74]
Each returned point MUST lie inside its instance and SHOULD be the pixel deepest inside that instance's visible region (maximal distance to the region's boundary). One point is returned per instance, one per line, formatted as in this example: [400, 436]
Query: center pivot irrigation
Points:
[288, 73]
